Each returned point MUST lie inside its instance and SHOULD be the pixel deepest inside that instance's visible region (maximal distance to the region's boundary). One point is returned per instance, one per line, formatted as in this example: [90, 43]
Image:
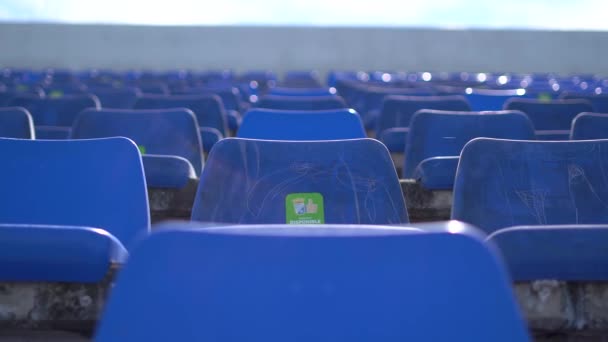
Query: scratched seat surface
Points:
[263, 181]
[436, 133]
[318, 283]
[505, 183]
[397, 111]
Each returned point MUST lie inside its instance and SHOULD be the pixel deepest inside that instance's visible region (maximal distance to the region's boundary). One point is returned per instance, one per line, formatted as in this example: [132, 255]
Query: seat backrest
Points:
[359, 284]
[598, 101]
[61, 111]
[94, 183]
[231, 96]
[302, 91]
[261, 181]
[301, 102]
[491, 99]
[162, 132]
[435, 133]
[270, 124]
[586, 126]
[209, 109]
[397, 111]
[566, 253]
[504, 183]
[550, 115]
[116, 98]
[373, 97]
[16, 122]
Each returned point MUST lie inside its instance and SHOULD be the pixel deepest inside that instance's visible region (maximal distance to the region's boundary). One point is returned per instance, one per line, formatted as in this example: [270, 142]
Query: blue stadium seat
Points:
[397, 111]
[588, 126]
[57, 253]
[435, 135]
[370, 99]
[301, 102]
[116, 98]
[552, 119]
[328, 283]
[302, 91]
[491, 99]
[53, 117]
[209, 111]
[253, 181]
[598, 101]
[96, 184]
[163, 134]
[301, 79]
[273, 124]
[231, 99]
[566, 253]
[505, 183]
[16, 122]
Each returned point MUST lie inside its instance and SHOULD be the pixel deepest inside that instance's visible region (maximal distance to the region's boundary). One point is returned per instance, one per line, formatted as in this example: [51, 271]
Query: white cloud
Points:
[552, 14]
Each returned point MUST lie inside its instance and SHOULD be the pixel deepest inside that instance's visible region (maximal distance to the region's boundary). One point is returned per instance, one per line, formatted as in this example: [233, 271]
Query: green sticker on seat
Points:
[55, 94]
[544, 97]
[142, 149]
[304, 208]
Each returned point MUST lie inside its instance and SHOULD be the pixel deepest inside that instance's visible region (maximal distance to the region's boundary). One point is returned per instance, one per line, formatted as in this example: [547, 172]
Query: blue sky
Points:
[535, 14]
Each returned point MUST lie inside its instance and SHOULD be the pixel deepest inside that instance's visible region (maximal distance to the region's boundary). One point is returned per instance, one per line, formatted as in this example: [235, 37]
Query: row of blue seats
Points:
[173, 152]
[250, 182]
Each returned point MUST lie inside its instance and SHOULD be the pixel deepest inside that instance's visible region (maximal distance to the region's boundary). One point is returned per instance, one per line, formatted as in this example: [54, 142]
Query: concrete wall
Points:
[284, 48]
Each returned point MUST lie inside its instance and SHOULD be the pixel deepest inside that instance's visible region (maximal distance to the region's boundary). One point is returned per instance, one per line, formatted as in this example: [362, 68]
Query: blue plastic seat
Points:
[552, 119]
[116, 98]
[598, 101]
[16, 122]
[57, 253]
[397, 111]
[301, 102]
[54, 117]
[160, 133]
[323, 283]
[505, 183]
[566, 253]
[491, 99]
[280, 91]
[301, 79]
[435, 135]
[252, 181]
[587, 126]
[209, 111]
[272, 124]
[231, 99]
[96, 183]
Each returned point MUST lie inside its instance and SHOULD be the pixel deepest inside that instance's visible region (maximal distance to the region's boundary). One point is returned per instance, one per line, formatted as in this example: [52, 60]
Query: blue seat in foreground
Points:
[262, 181]
[552, 119]
[69, 208]
[57, 253]
[272, 124]
[586, 126]
[505, 183]
[168, 140]
[53, 117]
[16, 122]
[301, 102]
[566, 253]
[397, 111]
[436, 139]
[316, 283]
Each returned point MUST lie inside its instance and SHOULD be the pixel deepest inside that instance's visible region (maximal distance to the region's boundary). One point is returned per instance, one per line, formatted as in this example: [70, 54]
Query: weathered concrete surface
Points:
[167, 204]
[21, 335]
[559, 311]
[53, 306]
[426, 205]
